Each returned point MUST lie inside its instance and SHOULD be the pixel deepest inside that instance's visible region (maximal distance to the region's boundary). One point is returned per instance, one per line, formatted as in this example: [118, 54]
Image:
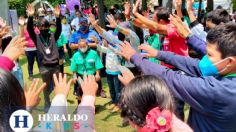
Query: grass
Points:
[105, 121]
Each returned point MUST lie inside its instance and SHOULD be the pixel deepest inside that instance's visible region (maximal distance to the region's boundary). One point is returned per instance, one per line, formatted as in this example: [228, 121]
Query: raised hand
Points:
[32, 94]
[89, 85]
[136, 6]
[92, 19]
[182, 30]
[112, 21]
[61, 84]
[178, 3]
[30, 10]
[190, 5]
[4, 31]
[127, 7]
[126, 76]
[21, 21]
[127, 51]
[57, 11]
[3, 23]
[15, 49]
[150, 51]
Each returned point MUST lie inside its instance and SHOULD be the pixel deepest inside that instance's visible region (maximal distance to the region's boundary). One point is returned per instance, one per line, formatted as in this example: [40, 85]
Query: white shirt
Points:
[66, 30]
[75, 23]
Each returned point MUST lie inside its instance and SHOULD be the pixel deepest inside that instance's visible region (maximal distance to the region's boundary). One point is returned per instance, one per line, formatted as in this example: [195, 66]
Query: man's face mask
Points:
[210, 69]
[83, 28]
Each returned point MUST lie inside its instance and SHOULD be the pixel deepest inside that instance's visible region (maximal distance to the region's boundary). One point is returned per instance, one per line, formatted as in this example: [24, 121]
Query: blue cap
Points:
[82, 19]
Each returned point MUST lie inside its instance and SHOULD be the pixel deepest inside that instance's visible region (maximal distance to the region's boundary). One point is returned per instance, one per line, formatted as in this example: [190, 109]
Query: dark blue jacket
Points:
[212, 99]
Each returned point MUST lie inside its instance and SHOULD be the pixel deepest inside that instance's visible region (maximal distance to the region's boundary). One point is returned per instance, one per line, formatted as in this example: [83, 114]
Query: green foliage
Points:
[20, 5]
[109, 3]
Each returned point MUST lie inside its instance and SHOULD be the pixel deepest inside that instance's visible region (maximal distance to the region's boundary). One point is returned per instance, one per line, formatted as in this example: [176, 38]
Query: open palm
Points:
[57, 11]
[30, 9]
[21, 21]
[3, 23]
[112, 21]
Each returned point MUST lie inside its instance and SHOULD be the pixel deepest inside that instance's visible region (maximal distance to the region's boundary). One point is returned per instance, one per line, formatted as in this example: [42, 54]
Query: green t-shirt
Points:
[156, 44]
[88, 62]
[62, 41]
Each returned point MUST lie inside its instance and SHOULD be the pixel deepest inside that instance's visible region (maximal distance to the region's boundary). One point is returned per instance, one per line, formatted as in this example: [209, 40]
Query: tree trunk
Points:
[160, 2]
[210, 5]
[101, 15]
[169, 5]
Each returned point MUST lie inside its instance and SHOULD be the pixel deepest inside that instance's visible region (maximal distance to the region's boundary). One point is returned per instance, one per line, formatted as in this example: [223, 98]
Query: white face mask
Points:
[83, 50]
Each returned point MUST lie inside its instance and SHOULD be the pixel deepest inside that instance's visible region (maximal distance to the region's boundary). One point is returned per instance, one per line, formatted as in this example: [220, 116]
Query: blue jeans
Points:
[31, 56]
[114, 87]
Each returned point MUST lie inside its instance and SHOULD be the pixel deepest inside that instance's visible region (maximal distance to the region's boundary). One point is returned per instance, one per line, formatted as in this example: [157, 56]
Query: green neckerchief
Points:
[230, 75]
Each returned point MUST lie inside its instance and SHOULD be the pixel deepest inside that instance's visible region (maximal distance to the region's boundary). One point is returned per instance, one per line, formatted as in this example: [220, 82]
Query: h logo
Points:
[21, 121]
[18, 121]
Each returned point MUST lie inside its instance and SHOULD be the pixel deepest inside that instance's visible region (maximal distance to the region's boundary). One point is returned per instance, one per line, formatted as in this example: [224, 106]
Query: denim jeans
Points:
[47, 76]
[31, 56]
[114, 87]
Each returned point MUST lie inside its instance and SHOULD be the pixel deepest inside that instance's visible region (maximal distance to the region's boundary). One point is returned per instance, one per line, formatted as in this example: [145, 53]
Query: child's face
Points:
[224, 65]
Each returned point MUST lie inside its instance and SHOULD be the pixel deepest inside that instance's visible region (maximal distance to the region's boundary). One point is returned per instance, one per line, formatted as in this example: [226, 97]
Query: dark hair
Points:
[43, 23]
[76, 7]
[143, 94]
[224, 36]
[121, 36]
[117, 6]
[163, 14]
[119, 16]
[156, 7]
[218, 16]
[12, 98]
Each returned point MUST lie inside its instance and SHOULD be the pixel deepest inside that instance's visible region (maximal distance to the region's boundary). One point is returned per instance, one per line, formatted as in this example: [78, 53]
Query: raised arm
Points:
[30, 24]
[190, 10]
[185, 64]
[178, 6]
[161, 29]
[58, 23]
[189, 89]
[22, 24]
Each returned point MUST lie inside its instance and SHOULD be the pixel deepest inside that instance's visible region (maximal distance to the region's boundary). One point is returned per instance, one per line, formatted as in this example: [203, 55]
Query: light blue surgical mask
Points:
[208, 68]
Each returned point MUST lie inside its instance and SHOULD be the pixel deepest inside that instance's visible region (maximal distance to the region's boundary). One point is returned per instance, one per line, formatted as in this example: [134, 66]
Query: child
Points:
[148, 104]
[112, 63]
[86, 61]
[66, 30]
[210, 88]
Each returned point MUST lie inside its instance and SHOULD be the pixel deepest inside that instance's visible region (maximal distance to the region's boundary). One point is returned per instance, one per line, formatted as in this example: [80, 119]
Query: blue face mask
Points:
[83, 28]
[207, 67]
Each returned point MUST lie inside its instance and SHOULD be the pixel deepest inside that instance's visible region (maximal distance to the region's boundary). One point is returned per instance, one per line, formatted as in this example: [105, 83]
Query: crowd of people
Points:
[155, 62]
